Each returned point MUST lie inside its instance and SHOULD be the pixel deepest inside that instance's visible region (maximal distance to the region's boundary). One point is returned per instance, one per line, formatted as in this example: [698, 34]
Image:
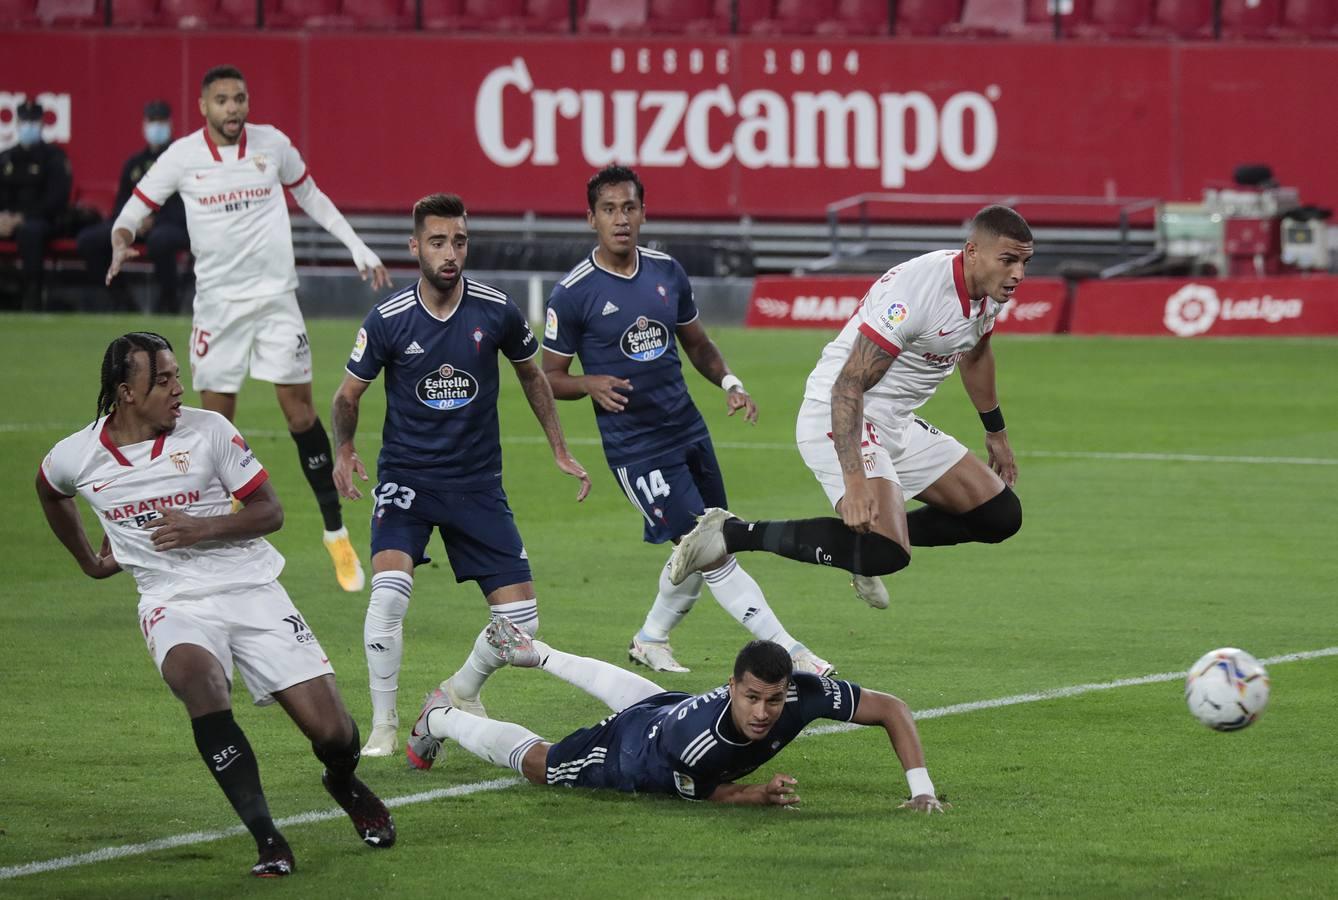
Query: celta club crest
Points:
[260, 161]
[659, 289]
[478, 338]
[181, 459]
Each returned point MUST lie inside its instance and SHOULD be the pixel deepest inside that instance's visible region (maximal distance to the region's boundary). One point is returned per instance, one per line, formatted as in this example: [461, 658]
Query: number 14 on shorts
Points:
[655, 487]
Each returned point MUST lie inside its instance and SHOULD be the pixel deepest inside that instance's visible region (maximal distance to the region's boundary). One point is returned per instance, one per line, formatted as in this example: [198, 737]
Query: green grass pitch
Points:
[1178, 496]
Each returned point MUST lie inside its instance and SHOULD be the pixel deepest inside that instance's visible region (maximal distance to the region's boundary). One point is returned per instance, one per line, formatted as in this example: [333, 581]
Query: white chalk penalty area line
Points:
[107, 854]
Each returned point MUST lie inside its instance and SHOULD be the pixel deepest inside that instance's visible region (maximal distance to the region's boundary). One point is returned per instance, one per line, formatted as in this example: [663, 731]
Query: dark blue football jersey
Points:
[624, 326]
[442, 381]
[673, 743]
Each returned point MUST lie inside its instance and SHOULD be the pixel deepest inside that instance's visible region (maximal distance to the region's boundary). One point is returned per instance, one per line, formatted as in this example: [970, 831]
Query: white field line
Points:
[107, 854]
[66, 428]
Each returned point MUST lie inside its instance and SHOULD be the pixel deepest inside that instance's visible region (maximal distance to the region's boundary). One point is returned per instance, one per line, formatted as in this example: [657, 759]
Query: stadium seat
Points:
[750, 12]
[136, 14]
[1039, 19]
[797, 17]
[987, 18]
[614, 17]
[208, 13]
[861, 18]
[440, 15]
[378, 13]
[926, 18]
[70, 13]
[1308, 19]
[682, 17]
[1180, 19]
[306, 14]
[1115, 19]
[1250, 19]
[18, 13]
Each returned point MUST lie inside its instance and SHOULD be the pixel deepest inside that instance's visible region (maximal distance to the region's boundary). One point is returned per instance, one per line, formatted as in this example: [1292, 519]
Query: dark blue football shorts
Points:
[671, 490]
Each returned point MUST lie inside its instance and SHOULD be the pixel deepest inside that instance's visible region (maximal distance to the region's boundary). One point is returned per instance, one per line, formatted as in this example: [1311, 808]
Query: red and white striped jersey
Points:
[919, 312]
[196, 468]
[236, 211]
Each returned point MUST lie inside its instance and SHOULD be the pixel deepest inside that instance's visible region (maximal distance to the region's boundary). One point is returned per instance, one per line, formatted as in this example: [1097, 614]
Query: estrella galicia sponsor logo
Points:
[447, 388]
[645, 340]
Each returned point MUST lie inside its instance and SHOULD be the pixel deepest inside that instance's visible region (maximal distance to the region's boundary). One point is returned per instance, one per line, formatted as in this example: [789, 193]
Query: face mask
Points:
[29, 133]
[157, 133]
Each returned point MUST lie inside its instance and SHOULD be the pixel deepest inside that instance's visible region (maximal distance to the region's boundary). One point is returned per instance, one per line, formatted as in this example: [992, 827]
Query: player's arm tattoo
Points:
[540, 395]
[344, 414]
[866, 365]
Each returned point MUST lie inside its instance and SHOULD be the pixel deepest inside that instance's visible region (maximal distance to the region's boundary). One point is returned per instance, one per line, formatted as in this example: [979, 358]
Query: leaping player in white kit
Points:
[232, 176]
[858, 432]
[159, 476]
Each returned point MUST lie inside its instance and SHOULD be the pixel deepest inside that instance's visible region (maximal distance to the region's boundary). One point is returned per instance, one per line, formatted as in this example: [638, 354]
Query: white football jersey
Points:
[236, 210]
[194, 468]
[919, 312]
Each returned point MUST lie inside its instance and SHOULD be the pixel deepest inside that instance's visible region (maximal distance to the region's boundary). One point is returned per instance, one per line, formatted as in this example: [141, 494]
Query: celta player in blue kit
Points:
[625, 311]
[440, 468]
[667, 742]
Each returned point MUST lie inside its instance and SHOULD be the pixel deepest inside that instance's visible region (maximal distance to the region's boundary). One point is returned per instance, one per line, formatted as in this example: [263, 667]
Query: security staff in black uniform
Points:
[34, 196]
[163, 233]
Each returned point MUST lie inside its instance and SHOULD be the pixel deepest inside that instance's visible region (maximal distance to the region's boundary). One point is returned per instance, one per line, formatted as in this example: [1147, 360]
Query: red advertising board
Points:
[717, 127]
[828, 302]
[1233, 307]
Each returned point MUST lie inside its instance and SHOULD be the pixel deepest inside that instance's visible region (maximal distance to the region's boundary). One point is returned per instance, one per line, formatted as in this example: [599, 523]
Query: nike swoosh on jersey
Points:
[98, 487]
[942, 333]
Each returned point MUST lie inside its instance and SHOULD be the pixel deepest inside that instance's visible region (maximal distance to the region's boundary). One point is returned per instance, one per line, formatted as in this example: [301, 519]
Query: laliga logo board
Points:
[447, 388]
[646, 340]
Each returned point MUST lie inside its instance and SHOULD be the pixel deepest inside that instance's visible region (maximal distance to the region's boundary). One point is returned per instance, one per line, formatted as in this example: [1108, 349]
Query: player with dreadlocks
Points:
[160, 477]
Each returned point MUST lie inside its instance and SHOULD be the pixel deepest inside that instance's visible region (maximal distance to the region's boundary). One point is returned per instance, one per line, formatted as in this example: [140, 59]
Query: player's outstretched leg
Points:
[992, 522]
[500, 743]
[464, 686]
[383, 642]
[650, 646]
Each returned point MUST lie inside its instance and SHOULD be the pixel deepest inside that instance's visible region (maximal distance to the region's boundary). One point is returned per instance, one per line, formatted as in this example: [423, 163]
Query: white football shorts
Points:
[913, 453]
[257, 627]
[265, 336]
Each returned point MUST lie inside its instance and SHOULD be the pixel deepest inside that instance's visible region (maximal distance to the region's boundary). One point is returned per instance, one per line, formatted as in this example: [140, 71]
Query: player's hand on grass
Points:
[570, 466]
[859, 507]
[1001, 456]
[174, 529]
[607, 391]
[119, 257]
[925, 803]
[779, 791]
[739, 399]
[103, 565]
[346, 464]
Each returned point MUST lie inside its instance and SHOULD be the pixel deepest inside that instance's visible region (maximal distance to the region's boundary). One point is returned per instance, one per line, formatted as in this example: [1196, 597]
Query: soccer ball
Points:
[1226, 689]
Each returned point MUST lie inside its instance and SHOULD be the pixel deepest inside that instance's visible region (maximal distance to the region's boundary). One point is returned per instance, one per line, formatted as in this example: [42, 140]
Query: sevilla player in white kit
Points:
[232, 177]
[160, 477]
[858, 432]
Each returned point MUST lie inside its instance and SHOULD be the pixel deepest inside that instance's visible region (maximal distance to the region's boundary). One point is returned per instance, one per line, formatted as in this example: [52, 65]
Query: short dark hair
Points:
[1001, 221]
[612, 175]
[768, 661]
[447, 206]
[116, 364]
[218, 73]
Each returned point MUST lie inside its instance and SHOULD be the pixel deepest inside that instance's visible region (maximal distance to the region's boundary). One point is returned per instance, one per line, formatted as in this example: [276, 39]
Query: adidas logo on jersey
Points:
[609, 308]
[413, 348]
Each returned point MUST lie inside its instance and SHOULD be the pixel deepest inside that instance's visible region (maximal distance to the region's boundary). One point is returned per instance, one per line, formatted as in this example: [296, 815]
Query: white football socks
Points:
[742, 598]
[672, 603]
[483, 660]
[383, 641]
[617, 688]
[500, 743]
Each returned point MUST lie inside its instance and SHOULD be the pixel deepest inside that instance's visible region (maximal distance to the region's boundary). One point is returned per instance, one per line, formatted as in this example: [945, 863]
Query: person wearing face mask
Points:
[34, 195]
[163, 233]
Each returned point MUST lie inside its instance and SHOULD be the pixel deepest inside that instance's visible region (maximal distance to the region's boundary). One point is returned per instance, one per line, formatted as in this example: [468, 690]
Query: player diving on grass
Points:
[159, 476]
[232, 176]
[440, 468]
[668, 742]
[858, 433]
[625, 311]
